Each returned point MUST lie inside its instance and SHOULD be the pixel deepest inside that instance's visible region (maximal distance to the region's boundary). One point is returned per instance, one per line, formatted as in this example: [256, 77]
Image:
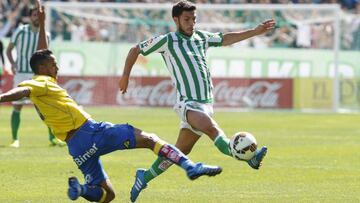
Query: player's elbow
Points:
[8, 51]
[135, 50]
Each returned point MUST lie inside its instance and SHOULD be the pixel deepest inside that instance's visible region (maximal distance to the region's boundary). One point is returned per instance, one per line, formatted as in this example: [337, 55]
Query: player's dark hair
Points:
[39, 58]
[31, 10]
[182, 6]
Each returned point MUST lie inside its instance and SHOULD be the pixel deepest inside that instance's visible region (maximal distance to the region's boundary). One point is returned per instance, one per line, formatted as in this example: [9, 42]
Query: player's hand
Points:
[41, 12]
[38, 4]
[41, 15]
[123, 84]
[265, 26]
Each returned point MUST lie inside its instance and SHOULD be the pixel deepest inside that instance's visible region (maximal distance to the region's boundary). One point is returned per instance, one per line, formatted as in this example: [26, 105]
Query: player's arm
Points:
[15, 94]
[129, 63]
[42, 44]
[9, 49]
[234, 37]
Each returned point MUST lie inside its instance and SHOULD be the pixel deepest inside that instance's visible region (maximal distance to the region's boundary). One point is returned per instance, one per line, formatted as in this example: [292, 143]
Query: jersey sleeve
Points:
[213, 39]
[155, 44]
[36, 88]
[15, 36]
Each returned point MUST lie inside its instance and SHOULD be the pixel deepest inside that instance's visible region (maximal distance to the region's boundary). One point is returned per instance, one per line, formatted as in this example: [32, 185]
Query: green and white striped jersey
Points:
[25, 42]
[185, 58]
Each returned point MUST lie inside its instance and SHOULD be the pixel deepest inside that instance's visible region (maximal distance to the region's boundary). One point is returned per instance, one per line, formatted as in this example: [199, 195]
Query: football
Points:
[243, 146]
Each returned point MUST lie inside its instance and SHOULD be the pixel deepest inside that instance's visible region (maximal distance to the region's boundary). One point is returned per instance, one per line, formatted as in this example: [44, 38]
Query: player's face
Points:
[186, 22]
[51, 67]
[34, 18]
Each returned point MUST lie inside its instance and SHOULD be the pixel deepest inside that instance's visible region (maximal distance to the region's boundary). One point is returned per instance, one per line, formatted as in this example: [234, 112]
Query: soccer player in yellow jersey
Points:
[87, 139]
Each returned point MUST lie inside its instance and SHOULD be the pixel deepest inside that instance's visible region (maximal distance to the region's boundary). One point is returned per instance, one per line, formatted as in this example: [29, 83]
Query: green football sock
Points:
[15, 123]
[222, 143]
[51, 135]
[158, 167]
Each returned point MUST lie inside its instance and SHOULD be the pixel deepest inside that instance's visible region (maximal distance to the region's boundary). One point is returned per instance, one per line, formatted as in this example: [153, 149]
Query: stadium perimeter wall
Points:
[262, 93]
[243, 77]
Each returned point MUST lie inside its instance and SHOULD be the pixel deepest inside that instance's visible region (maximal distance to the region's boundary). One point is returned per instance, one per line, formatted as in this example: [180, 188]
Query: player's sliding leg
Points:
[193, 171]
[92, 193]
[184, 143]
[172, 154]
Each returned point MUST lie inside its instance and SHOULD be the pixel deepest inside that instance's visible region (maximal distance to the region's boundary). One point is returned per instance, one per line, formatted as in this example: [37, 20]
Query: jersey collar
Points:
[185, 36]
[44, 77]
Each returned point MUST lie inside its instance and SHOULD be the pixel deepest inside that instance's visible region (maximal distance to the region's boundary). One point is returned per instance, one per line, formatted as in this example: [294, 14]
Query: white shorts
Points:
[18, 78]
[181, 107]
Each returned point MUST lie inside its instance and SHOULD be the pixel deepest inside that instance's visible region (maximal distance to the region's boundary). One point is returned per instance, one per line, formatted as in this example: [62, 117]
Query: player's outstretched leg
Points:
[255, 162]
[193, 170]
[174, 155]
[139, 184]
[201, 169]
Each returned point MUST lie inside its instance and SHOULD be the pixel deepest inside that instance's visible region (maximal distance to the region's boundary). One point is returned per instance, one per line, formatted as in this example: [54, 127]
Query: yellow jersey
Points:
[54, 105]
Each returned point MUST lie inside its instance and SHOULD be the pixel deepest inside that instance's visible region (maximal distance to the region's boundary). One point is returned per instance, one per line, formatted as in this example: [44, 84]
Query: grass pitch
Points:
[311, 158]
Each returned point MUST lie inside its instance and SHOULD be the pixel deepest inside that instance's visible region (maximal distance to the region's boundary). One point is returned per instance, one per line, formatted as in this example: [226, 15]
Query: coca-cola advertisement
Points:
[228, 92]
[253, 93]
[159, 91]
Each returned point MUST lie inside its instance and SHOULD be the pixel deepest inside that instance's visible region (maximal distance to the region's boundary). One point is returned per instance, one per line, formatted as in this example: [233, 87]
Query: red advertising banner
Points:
[158, 91]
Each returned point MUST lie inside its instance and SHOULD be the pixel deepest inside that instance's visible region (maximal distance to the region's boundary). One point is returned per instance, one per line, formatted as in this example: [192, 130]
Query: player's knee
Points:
[150, 139]
[184, 149]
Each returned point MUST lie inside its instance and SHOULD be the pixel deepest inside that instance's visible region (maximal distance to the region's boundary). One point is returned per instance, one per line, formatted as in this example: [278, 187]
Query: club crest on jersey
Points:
[126, 144]
[147, 43]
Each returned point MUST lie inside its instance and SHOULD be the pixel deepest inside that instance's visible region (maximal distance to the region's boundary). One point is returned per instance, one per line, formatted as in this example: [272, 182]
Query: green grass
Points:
[312, 158]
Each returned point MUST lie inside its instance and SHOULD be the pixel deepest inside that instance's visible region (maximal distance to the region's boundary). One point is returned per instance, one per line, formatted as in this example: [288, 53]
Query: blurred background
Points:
[67, 27]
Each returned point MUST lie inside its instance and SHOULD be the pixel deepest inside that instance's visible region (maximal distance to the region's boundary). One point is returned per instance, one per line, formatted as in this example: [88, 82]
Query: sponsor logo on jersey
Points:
[79, 160]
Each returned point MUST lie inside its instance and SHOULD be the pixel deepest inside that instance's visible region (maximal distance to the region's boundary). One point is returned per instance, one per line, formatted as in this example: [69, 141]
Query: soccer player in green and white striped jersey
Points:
[184, 53]
[25, 40]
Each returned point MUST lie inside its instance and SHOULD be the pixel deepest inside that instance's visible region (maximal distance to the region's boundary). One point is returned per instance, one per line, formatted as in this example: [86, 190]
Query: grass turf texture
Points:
[312, 158]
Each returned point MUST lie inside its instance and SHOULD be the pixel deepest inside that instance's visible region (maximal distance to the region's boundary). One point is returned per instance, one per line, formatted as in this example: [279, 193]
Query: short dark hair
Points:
[38, 58]
[182, 6]
[32, 9]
